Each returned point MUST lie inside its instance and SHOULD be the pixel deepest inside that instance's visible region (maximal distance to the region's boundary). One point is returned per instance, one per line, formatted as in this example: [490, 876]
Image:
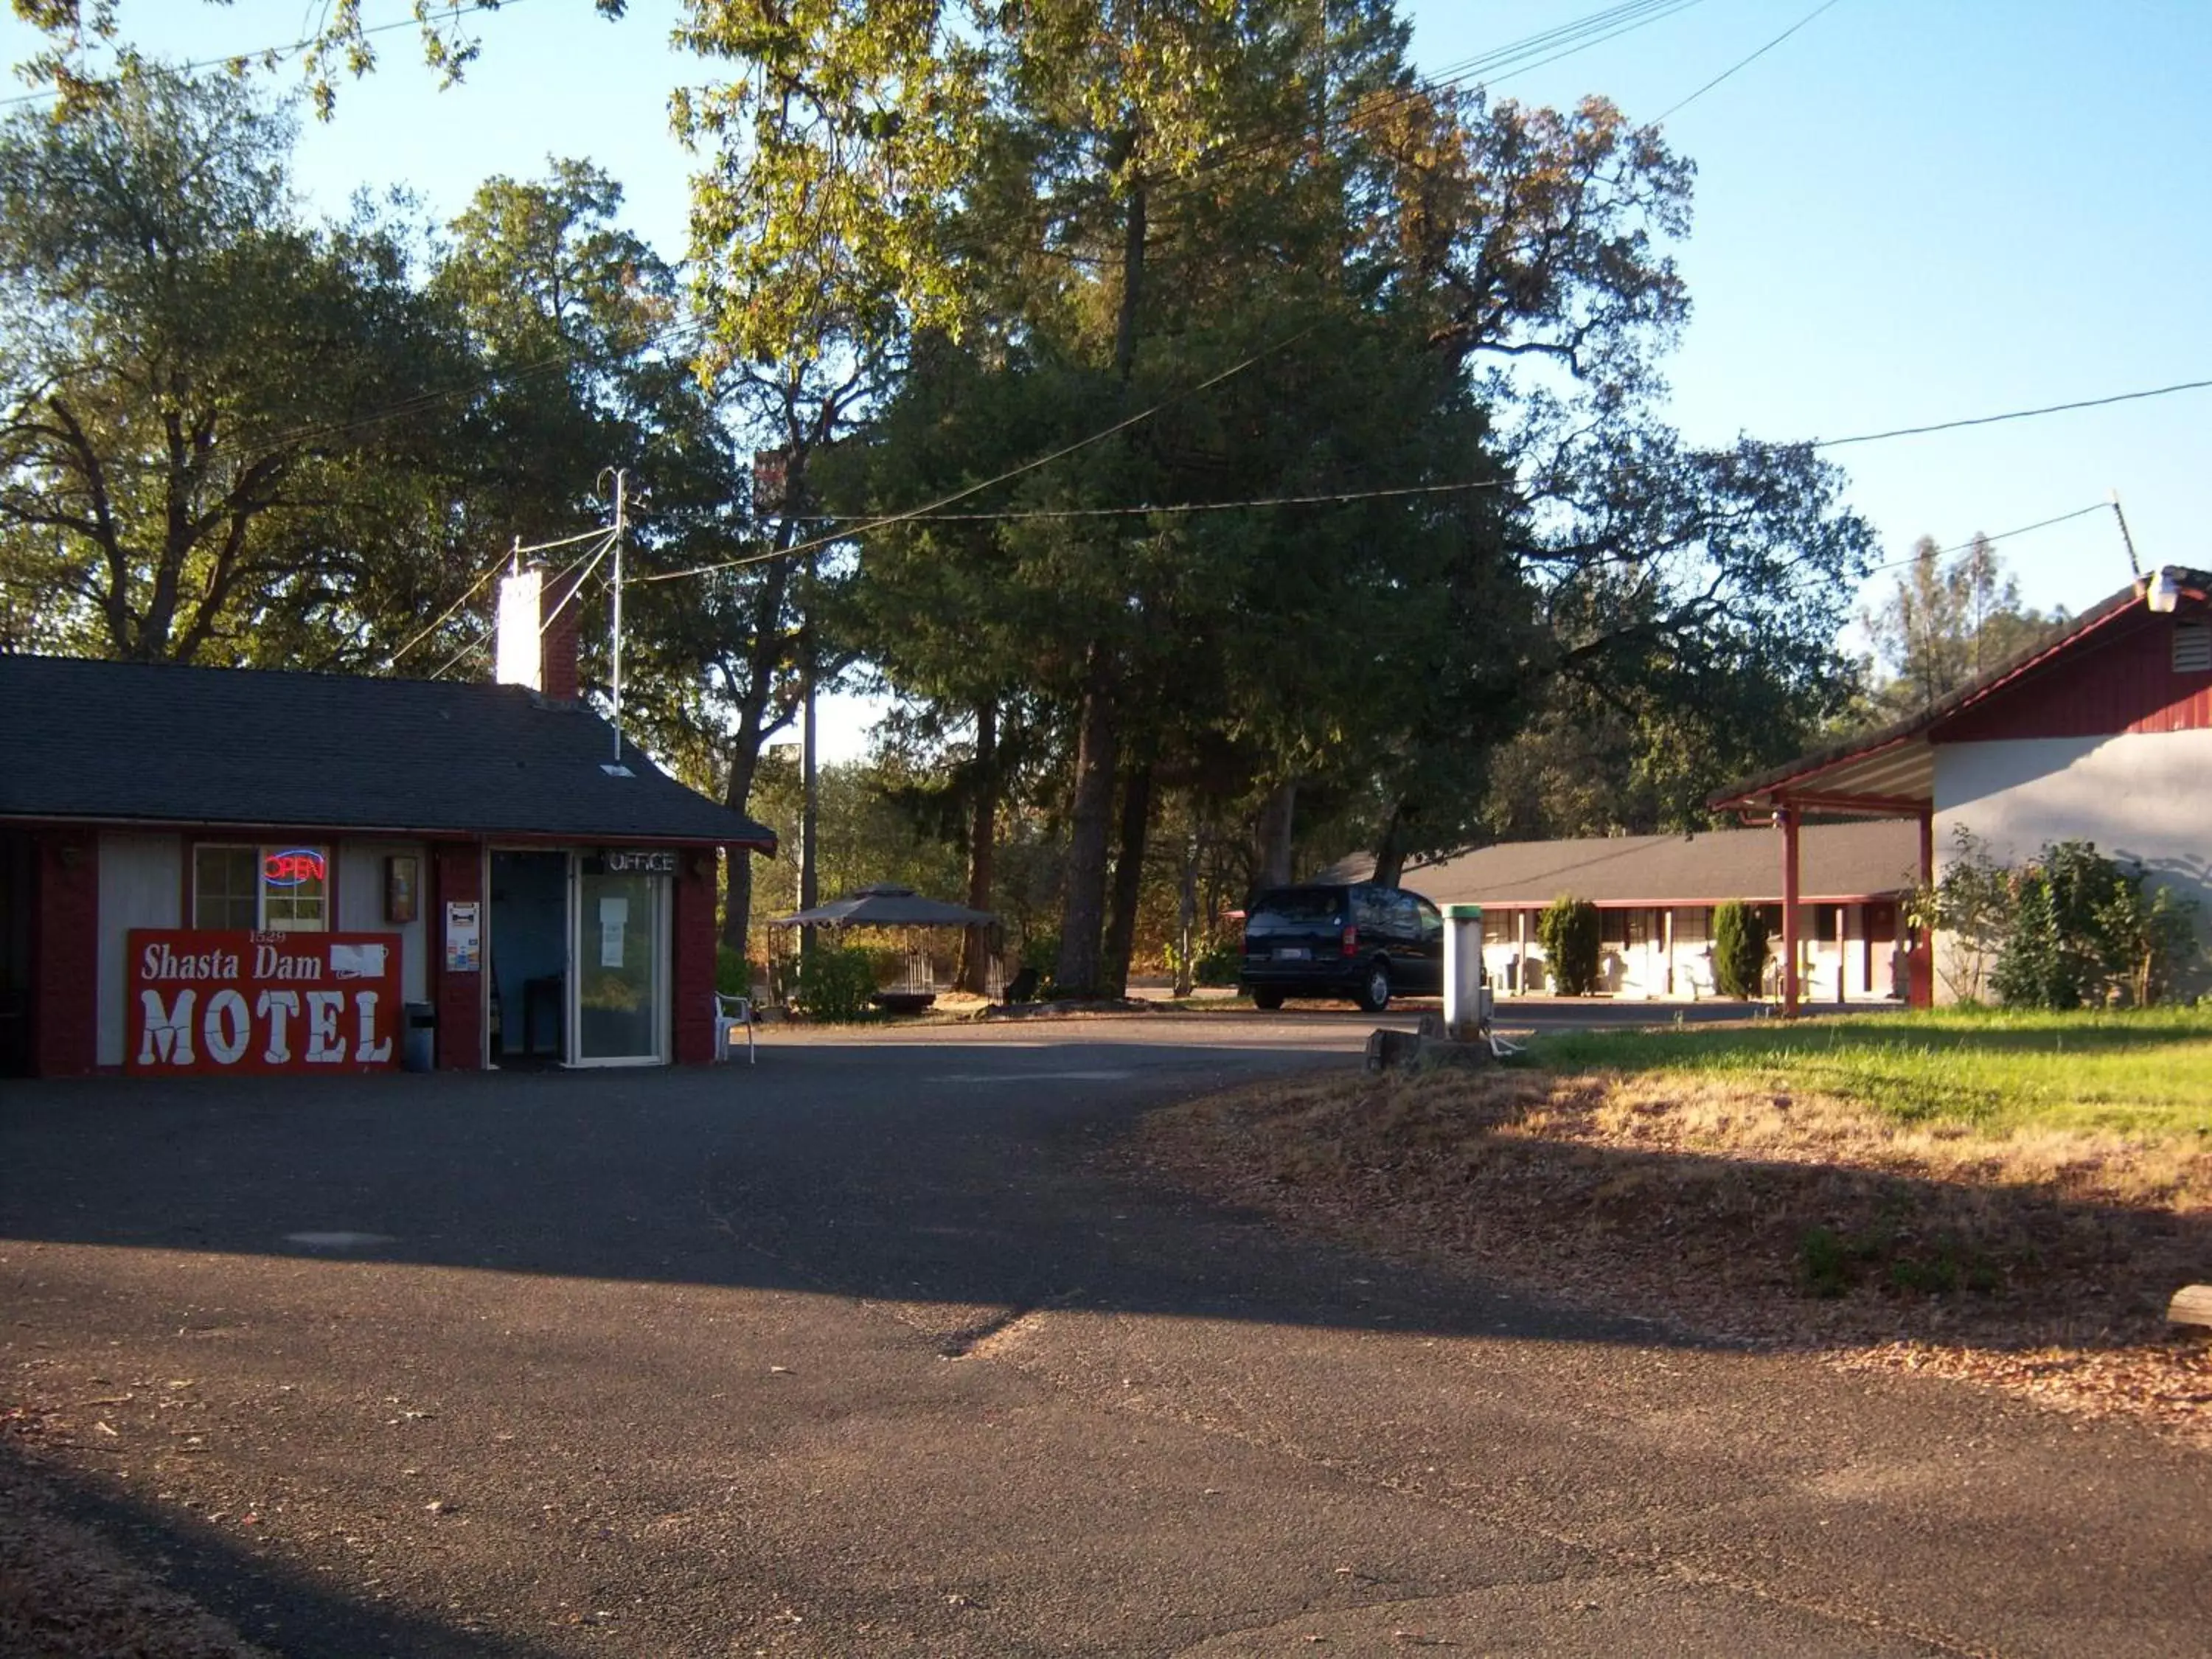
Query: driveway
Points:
[864, 1351]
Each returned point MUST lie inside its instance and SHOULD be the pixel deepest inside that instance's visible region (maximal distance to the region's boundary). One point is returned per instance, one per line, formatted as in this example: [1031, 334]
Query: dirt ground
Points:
[2041, 1266]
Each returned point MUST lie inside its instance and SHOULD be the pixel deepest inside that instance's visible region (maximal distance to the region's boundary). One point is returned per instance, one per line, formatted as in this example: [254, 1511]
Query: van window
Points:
[1306, 906]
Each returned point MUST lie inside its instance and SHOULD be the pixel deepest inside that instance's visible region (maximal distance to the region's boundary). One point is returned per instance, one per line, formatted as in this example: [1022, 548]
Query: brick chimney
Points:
[559, 678]
[537, 642]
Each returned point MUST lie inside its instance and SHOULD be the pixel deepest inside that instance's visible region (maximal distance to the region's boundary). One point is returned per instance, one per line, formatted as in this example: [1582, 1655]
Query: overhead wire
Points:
[2010, 414]
[281, 50]
[2001, 535]
[1012, 473]
[490, 570]
[1576, 35]
[1742, 62]
[1148, 509]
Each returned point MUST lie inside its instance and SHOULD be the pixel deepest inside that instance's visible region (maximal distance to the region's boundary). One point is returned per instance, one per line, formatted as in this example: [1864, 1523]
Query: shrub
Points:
[2085, 928]
[834, 983]
[1739, 949]
[734, 973]
[1569, 929]
[1216, 964]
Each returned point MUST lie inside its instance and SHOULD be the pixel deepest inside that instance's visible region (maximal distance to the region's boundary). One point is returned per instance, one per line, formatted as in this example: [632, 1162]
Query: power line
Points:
[477, 587]
[1743, 63]
[1575, 36]
[2010, 414]
[1066, 450]
[1199, 507]
[1520, 57]
[285, 50]
[445, 616]
[2002, 536]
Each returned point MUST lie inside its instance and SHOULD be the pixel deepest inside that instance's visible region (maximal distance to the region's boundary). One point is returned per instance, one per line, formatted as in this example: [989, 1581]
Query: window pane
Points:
[295, 889]
[223, 882]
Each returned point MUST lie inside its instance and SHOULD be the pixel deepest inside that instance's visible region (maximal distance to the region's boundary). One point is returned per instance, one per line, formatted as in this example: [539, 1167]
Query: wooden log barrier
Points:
[2191, 1305]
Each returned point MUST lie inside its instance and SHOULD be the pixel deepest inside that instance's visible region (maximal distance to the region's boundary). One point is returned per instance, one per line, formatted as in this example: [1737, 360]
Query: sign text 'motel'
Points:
[207, 1001]
[638, 860]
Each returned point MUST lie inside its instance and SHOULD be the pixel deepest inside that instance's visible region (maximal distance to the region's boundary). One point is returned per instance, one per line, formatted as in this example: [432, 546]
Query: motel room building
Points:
[1655, 896]
[2101, 733]
[206, 869]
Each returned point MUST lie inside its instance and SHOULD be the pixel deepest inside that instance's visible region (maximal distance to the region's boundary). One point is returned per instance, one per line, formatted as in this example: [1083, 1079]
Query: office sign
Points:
[636, 861]
[206, 1000]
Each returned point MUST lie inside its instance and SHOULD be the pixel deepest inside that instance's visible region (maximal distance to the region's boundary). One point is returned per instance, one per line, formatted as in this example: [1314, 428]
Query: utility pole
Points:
[810, 892]
[2134, 564]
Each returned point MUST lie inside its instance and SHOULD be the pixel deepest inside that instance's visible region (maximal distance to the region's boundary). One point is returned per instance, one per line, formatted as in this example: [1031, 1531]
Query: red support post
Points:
[1790, 912]
[1921, 993]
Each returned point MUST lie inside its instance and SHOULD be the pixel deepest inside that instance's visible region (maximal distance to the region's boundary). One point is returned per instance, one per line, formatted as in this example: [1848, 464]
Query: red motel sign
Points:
[206, 1000]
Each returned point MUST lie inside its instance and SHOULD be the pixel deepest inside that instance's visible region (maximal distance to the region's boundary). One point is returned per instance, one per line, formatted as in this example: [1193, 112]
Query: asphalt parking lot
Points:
[865, 1350]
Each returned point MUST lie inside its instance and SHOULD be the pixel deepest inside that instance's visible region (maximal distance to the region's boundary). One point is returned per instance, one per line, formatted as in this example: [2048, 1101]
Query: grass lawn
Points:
[2136, 1073]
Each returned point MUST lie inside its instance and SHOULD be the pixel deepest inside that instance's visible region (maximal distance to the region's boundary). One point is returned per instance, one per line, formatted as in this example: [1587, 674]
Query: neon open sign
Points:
[294, 868]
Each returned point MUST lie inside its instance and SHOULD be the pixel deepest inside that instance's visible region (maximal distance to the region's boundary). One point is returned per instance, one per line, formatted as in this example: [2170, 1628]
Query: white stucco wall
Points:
[2146, 797]
[142, 884]
[1640, 971]
[361, 906]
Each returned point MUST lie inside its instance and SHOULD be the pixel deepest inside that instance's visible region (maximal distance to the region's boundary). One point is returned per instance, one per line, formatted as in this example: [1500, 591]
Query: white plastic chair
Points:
[730, 1013]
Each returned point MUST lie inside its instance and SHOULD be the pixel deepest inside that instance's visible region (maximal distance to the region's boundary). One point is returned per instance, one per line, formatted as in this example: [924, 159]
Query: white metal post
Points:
[1465, 1009]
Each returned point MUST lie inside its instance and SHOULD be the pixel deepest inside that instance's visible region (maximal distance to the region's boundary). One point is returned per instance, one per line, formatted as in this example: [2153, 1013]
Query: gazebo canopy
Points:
[885, 905]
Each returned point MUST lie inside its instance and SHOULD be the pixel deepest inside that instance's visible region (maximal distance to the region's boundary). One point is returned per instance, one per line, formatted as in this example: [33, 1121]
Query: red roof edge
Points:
[2196, 584]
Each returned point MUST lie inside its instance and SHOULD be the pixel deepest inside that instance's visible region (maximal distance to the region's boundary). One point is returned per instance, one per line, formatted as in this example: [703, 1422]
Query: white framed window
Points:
[267, 889]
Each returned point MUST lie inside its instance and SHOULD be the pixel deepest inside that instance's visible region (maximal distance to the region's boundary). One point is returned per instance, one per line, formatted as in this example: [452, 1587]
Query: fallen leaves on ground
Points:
[2040, 1265]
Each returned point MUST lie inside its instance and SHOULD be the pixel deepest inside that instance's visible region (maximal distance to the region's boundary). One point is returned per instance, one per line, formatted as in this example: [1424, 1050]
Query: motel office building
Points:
[228, 869]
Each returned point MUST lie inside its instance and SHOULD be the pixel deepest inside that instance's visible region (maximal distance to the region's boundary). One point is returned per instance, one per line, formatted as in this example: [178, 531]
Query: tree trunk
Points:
[1278, 817]
[1128, 880]
[737, 906]
[1133, 284]
[974, 976]
[1390, 850]
[1083, 906]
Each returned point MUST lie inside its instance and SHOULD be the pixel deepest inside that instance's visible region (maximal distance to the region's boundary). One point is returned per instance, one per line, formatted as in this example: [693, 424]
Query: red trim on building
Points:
[692, 971]
[457, 876]
[65, 956]
[2124, 683]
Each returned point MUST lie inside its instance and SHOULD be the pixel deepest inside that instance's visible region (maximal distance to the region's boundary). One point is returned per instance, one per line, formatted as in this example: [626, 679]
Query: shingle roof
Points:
[155, 743]
[1872, 858]
[885, 905]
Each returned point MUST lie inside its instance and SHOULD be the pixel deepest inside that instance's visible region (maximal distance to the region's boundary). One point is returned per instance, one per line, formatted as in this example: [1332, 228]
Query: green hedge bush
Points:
[1739, 949]
[1569, 929]
[835, 984]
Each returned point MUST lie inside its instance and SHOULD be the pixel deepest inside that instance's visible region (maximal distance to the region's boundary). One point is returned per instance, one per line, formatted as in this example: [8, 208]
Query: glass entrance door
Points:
[620, 978]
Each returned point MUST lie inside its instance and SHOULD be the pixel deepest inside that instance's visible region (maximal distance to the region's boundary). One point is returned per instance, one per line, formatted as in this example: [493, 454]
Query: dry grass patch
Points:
[2040, 1259]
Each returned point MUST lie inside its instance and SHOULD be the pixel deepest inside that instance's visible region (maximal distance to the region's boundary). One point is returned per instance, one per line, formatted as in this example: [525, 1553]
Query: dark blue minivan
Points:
[1359, 940]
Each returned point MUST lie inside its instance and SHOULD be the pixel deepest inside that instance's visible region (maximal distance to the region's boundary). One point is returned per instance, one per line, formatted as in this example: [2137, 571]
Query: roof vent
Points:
[615, 769]
[2192, 648]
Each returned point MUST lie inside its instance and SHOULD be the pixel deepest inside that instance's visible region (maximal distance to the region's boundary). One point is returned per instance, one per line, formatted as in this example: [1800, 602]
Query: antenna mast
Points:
[2134, 564]
[615, 623]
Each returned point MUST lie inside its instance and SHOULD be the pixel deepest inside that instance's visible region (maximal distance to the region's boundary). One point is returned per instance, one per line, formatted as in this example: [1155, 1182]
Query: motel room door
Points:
[620, 990]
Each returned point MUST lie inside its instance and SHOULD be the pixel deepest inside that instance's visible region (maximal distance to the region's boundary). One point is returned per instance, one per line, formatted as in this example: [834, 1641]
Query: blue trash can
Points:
[420, 1050]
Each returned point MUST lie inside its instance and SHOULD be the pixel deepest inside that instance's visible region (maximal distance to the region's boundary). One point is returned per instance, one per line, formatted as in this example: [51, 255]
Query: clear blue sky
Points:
[1906, 213]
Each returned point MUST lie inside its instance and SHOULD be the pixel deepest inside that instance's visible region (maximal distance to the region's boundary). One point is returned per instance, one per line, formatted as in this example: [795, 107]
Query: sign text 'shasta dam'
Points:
[203, 1001]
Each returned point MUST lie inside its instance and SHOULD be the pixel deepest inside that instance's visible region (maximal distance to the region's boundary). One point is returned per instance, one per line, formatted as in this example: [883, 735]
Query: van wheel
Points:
[1269, 1000]
[1375, 994]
